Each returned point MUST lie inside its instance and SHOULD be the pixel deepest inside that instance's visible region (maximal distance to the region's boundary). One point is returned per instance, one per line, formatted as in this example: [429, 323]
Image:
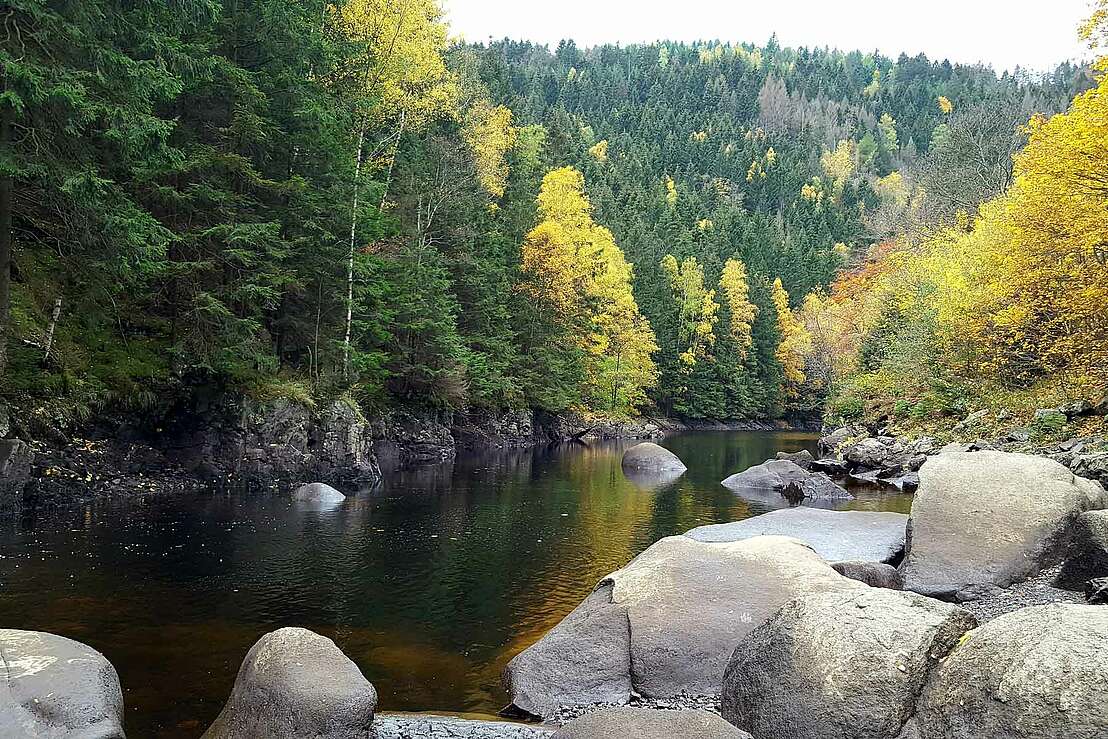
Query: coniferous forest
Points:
[307, 198]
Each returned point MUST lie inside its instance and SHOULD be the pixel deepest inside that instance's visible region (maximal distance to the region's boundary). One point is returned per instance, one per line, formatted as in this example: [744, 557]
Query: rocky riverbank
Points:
[229, 440]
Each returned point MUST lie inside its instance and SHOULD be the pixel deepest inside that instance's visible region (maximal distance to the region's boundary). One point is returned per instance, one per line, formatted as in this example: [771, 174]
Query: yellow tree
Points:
[576, 271]
[792, 351]
[696, 309]
[735, 286]
[490, 136]
[839, 165]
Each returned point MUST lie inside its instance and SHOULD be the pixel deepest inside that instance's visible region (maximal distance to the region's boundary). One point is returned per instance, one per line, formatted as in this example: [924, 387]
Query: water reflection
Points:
[430, 581]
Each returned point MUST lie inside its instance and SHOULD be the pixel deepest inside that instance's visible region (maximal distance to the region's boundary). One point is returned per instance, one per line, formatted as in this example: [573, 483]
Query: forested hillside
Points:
[302, 198]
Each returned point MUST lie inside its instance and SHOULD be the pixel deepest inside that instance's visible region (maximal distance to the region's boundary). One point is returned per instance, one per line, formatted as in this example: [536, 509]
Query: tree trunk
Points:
[350, 258]
[6, 194]
[48, 342]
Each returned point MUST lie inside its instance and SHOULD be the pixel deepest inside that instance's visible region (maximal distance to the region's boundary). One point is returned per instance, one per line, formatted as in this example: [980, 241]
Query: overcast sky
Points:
[1003, 33]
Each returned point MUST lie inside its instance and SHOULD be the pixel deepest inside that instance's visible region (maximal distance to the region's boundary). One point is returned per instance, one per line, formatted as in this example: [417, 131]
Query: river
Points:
[431, 581]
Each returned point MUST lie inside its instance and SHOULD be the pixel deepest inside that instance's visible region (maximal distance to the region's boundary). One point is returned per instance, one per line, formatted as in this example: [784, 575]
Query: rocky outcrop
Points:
[16, 458]
[874, 574]
[666, 623]
[789, 479]
[296, 684]
[637, 723]
[57, 688]
[650, 457]
[834, 535]
[845, 664]
[990, 518]
[1039, 672]
[1087, 557]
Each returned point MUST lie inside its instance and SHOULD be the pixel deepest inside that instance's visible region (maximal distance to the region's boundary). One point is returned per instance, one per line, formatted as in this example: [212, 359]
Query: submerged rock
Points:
[834, 535]
[650, 456]
[1038, 671]
[57, 688]
[666, 623]
[990, 518]
[296, 684]
[415, 726]
[318, 492]
[847, 664]
[638, 723]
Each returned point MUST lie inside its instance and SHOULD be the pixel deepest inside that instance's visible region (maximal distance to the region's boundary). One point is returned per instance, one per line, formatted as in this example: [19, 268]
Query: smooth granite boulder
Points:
[1088, 552]
[839, 665]
[834, 535]
[874, 574]
[774, 474]
[650, 456]
[990, 518]
[803, 458]
[1037, 672]
[641, 723]
[296, 684]
[667, 622]
[57, 688]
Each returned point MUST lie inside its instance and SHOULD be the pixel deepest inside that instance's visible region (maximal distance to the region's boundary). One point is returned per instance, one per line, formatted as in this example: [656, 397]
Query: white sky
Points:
[1003, 33]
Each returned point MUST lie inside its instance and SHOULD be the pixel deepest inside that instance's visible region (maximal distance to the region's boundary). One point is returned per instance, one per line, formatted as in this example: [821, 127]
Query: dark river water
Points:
[430, 581]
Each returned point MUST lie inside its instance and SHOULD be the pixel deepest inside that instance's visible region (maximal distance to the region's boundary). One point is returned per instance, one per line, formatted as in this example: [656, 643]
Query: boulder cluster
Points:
[803, 623]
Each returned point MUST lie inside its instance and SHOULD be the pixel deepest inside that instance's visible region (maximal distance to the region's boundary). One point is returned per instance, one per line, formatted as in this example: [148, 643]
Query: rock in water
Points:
[57, 688]
[817, 486]
[834, 535]
[990, 518]
[296, 684]
[1088, 555]
[803, 458]
[772, 475]
[639, 723]
[666, 623]
[649, 456]
[847, 664]
[318, 492]
[1037, 672]
[874, 574]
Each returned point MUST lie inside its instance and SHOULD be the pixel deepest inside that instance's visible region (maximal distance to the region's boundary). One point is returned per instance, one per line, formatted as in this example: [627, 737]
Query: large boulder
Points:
[57, 688]
[318, 493]
[787, 478]
[641, 723]
[1088, 553]
[846, 664]
[650, 456]
[1037, 672]
[990, 518]
[869, 453]
[296, 684]
[834, 535]
[666, 623]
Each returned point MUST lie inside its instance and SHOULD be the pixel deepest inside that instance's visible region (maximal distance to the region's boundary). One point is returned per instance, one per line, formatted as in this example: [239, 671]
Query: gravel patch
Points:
[399, 726]
[1037, 591]
[681, 702]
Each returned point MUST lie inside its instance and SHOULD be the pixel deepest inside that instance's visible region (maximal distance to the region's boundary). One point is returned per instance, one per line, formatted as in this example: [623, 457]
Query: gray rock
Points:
[834, 467]
[874, 574]
[834, 535]
[317, 492]
[1092, 466]
[666, 623]
[830, 443]
[1037, 672]
[868, 453]
[1018, 435]
[1088, 554]
[57, 688]
[426, 726]
[16, 458]
[839, 665]
[637, 723]
[585, 658]
[1096, 591]
[990, 518]
[772, 475]
[817, 486]
[803, 458]
[650, 456]
[296, 684]
[1049, 419]
[971, 420]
